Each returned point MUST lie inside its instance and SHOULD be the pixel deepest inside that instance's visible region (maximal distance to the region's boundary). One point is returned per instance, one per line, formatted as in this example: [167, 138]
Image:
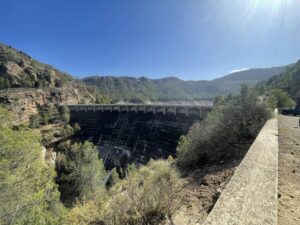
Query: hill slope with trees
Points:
[27, 85]
[289, 81]
[174, 89]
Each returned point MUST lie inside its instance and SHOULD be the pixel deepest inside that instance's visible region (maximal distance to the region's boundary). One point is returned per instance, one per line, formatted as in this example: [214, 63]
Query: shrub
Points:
[64, 113]
[76, 127]
[88, 213]
[34, 121]
[226, 134]
[151, 195]
[45, 117]
[65, 117]
[147, 196]
[67, 131]
[280, 99]
[81, 174]
[5, 118]
[28, 192]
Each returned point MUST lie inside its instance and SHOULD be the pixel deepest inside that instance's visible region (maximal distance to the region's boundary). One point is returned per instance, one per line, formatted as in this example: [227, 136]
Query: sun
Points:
[270, 3]
[263, 2]
[270, 7]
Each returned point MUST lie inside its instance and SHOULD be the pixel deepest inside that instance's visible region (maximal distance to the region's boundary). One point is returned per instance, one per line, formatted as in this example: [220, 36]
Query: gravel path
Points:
[289, 171]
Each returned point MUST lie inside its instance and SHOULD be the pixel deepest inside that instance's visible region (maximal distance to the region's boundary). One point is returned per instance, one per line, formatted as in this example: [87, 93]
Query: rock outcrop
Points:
[26, 85]
[23, 102]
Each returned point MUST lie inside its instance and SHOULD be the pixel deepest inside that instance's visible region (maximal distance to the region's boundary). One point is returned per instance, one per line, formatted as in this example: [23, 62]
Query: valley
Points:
[164, 148]
[143, 112]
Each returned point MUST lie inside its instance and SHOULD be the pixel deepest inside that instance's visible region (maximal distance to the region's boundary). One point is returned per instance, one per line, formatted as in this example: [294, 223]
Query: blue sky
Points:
[190, 39]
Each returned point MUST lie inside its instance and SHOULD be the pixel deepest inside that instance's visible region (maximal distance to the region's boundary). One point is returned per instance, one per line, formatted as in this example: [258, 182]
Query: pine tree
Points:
[83, 174]
[28, 192]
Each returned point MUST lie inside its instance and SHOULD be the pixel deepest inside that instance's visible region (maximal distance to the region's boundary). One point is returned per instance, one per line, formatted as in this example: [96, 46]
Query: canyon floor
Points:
[289, 171]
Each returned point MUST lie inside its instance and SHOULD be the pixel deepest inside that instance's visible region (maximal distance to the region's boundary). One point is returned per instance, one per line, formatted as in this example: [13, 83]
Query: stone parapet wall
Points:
[250, 198]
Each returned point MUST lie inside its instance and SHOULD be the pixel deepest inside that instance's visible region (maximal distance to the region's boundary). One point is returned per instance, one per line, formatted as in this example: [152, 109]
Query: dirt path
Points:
[289, 171]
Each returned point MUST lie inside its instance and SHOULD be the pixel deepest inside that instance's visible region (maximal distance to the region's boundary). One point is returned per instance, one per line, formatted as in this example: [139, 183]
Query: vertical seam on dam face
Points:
[250, 198]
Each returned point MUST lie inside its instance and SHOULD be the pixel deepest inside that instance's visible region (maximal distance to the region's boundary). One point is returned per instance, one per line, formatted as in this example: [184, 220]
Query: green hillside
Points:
[288, 81]
[17, 69]
[173, 89]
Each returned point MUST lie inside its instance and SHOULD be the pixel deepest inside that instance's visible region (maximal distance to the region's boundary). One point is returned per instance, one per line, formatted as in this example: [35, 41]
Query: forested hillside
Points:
[288, 81]
[173, 89]
[18, 69]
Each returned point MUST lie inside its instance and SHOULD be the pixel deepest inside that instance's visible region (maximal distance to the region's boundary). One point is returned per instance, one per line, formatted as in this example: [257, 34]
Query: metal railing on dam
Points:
[187, 110]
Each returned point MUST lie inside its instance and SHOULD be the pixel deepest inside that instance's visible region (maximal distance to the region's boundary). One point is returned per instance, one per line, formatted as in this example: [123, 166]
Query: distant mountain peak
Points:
[174, 89]
[239, 70]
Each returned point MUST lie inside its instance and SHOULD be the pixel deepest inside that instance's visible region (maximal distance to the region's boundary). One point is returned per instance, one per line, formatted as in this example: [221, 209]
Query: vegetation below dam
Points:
[53, 173]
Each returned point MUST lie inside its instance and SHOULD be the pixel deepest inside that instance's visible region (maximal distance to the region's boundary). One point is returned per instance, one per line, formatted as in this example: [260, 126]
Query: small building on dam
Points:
[138, 132]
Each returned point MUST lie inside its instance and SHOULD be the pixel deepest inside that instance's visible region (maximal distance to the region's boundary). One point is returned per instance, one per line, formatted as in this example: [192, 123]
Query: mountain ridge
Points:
[19, 70]
[145, 89]
[255, 73]
[231, 74]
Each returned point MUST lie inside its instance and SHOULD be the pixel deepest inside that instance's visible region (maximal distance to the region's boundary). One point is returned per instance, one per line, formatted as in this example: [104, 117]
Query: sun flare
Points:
[270, 4]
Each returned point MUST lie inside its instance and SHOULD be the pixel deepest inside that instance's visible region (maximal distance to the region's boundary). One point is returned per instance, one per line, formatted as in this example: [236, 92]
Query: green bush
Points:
[64, 113]
[148, 195]
[67, 131]
[280, 99]
[81, 174]
[152, 194]
[28, 193]
[226, 133]
[65, 117]
[34, 121]
[76, 127]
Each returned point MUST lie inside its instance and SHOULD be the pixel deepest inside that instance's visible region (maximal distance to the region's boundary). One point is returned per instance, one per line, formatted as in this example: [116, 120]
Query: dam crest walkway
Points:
[187, 110]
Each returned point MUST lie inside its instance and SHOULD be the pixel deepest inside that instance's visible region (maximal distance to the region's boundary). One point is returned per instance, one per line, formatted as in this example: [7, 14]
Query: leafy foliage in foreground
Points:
[28, 192]
[226, 134]
[81, 173]
[147, 196]
[29, 195]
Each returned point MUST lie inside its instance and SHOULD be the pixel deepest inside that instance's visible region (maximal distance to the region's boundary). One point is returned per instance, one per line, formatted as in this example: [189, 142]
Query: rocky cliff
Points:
[26, 84]
[17, 69]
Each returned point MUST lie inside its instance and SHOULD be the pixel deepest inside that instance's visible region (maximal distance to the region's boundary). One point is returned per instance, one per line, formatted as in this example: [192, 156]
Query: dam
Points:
[140, 131]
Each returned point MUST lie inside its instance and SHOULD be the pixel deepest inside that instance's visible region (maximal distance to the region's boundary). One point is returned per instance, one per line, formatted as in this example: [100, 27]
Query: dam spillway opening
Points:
[139, 136]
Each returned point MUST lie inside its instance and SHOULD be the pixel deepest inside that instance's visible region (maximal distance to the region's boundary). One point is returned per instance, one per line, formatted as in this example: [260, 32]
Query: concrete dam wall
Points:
[140, 134]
